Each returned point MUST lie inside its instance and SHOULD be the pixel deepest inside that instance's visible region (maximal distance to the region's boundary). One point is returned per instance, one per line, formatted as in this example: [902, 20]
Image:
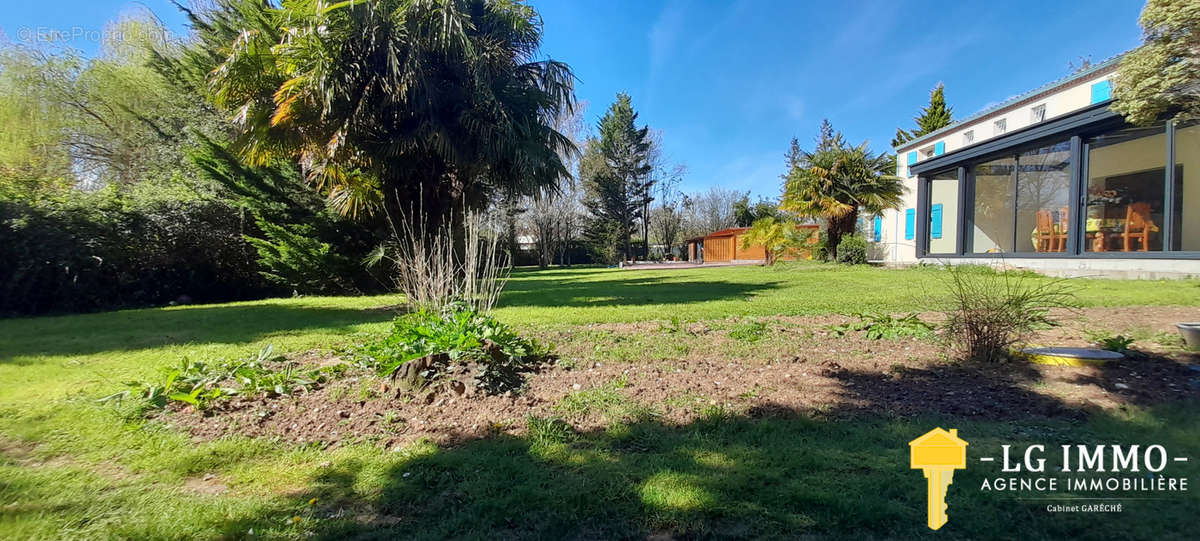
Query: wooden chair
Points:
[1137, 226]
[1051, 234]
[1044, 234]
[1062, 227]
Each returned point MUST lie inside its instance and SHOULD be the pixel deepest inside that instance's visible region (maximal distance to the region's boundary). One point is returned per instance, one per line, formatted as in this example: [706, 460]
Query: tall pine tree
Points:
[617, 178]
[933, 117]
[828, 138]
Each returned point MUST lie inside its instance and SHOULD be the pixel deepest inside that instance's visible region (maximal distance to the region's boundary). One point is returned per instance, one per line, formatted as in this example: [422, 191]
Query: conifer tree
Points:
[933, 117]
[936, 116]
[617, 177]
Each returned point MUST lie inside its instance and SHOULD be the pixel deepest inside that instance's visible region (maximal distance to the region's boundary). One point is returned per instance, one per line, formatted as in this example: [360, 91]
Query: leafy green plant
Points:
[1118, 343]
[885, 326]
[749, 331]
[461, 338]
[203, 384]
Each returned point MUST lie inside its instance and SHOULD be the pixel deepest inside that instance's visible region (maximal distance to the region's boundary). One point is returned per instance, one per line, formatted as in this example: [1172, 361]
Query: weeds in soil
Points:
[752, 393]
[675, 325]
[204, 384]
[1169, 339]
[605, 402]
[885, 326]
[546, 431]
[1118, 343]
[749, 331]
[688, 400]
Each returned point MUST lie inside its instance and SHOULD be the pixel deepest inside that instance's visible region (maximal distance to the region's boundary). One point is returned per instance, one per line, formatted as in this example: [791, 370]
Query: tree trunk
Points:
[646, 230]
[627, 231]
[836, 228]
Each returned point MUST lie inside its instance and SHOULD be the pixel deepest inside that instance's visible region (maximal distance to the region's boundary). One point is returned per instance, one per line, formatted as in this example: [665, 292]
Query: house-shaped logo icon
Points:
[938, 453]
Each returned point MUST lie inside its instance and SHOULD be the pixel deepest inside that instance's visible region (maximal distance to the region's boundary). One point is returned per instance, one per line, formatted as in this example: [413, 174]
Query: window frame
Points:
[923, 229]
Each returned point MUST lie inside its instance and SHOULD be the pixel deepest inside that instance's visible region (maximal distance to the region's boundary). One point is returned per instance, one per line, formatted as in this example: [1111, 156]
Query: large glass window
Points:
[1126, 187]
[992, 211]
[1187, 187]
[1021, 203]
[1043, 198]
[943, 213]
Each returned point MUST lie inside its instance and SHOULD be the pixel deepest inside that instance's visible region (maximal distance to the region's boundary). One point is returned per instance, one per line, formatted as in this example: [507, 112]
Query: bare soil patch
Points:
[678, 372]
[208, 484]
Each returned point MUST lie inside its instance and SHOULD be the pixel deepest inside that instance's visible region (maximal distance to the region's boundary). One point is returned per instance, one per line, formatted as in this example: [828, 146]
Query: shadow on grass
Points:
[566, 290]
[772, 472]
[786, 475]
[135, 330]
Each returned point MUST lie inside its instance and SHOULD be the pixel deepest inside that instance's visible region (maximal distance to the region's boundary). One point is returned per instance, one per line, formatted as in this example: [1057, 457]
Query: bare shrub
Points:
[989, 312]
[450, 265]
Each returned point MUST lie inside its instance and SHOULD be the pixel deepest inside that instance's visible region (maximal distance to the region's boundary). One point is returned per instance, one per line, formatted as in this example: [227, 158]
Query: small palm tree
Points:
[776, 235]
[837, 183]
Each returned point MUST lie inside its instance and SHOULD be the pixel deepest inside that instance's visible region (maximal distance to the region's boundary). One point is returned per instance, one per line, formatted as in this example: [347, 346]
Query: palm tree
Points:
[403, 106]
[839, 182]
[775, 235]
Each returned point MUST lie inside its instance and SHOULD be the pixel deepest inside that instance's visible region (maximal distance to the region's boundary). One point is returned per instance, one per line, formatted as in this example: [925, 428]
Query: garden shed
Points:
[726, 246]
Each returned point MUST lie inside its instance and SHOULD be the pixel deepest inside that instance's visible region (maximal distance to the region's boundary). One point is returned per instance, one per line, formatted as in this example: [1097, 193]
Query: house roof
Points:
[726, 232]
[1107, 65]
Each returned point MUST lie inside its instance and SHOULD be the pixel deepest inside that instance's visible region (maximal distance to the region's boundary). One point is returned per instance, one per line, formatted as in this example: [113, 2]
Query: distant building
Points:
[526, 242]
[726, 246]
[1051, 180]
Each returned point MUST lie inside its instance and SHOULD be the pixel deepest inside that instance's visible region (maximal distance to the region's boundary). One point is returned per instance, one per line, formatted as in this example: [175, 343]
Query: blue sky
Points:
[729, 83]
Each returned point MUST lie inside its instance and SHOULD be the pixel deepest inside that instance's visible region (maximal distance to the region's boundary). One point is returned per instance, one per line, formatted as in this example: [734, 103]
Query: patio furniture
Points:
[1050, 235]
[1137, 227]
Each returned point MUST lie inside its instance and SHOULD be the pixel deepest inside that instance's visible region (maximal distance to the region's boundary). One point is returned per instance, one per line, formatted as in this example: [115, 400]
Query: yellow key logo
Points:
[938, 453]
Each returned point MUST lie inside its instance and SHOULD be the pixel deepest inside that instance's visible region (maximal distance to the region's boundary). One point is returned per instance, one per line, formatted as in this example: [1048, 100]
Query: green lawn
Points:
[596, 295]
[73, 468]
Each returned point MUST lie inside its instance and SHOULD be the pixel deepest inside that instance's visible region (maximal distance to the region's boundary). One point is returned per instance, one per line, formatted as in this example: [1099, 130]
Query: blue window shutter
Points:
[877, 228]
[912, 157]
[910, 221]
[939, 148]
[1102, 91]
[935, 221]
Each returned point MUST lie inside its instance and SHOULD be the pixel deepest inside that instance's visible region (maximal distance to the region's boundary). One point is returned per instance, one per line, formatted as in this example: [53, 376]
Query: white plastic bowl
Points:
[1190, 332]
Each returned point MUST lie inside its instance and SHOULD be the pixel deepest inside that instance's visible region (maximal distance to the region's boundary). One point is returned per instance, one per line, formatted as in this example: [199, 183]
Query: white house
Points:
[1054, 181]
